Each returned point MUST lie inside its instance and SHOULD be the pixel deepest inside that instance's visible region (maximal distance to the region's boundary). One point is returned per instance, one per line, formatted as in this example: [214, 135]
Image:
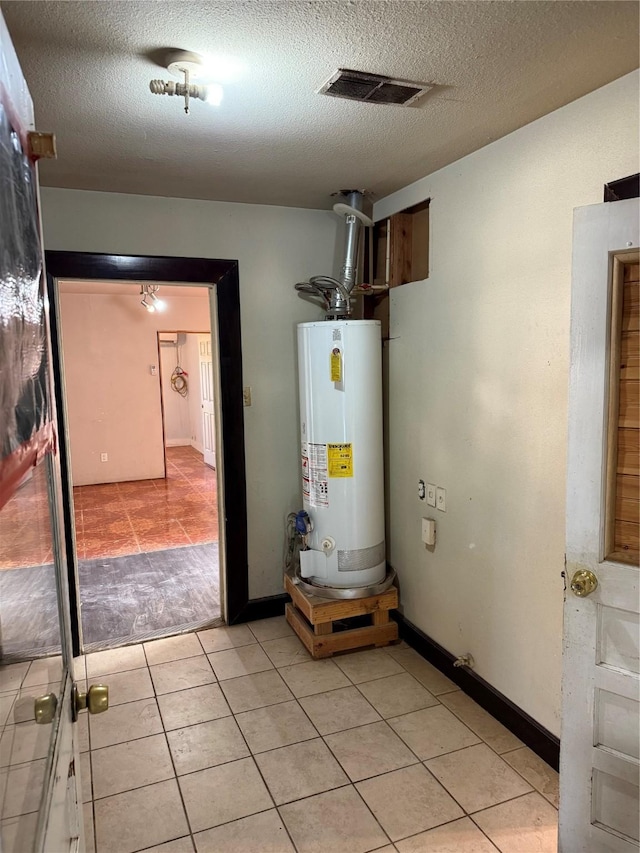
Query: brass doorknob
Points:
[95, 700]
[583, 583]
[44, 708]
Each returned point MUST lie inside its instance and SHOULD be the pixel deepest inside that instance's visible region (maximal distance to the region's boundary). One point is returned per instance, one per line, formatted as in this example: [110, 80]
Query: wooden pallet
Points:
[312, 618]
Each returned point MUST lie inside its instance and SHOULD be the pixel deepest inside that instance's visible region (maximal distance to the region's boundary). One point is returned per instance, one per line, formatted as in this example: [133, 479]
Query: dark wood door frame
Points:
[224, 275]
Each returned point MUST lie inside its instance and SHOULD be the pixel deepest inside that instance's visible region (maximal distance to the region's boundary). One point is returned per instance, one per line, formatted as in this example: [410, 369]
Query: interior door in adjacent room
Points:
[207, 400]
[600, 749]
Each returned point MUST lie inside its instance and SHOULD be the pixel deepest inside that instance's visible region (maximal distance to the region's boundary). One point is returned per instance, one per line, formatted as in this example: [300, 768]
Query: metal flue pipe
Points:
[335, 293]
[353, 199]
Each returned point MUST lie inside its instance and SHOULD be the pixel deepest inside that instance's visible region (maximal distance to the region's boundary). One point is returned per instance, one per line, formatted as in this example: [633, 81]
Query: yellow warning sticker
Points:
[340, 459]
[336, 365]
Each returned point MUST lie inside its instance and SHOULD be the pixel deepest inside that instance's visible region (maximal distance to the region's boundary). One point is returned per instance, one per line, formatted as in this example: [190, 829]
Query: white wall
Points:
[109, 345]
[275, 247]
[175, 407]
[478, 375]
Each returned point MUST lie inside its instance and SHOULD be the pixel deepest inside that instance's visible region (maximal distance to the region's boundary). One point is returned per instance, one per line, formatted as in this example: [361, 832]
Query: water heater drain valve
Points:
[328, 545]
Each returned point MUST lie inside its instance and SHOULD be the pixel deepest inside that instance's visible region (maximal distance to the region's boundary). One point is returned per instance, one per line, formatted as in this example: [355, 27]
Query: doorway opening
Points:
[145, 503]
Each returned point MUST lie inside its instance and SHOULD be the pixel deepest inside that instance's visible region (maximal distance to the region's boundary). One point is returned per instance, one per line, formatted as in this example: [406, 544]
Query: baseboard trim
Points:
[178, 442]
[531, 733]
[262, 608]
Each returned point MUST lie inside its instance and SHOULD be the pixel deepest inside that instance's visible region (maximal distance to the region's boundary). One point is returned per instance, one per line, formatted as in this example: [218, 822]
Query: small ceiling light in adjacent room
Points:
[150, 300]
[189, 66]
[158, 304]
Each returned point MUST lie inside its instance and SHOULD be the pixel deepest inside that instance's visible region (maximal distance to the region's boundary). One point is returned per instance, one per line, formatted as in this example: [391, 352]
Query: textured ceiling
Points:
[496, 66]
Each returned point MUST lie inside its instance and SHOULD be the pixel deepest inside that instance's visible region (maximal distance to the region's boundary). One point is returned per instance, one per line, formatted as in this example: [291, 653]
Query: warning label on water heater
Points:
[340, 460]
[315, 487]
[336, 365]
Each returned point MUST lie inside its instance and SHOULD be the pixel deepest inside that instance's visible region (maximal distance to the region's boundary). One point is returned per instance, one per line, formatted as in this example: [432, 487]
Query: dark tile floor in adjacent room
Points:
[147, 559]
[137, 596]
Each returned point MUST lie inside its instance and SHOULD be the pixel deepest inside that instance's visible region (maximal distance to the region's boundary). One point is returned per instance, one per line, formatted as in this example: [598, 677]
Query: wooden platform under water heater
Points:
[314, 619]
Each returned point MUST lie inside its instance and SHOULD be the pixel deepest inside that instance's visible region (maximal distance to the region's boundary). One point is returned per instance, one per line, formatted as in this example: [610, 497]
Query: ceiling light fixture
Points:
[189, 66]
[150, 300]
[158, 304]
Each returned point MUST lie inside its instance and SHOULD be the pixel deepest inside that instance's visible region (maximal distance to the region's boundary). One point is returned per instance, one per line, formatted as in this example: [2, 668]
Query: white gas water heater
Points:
[340, 532]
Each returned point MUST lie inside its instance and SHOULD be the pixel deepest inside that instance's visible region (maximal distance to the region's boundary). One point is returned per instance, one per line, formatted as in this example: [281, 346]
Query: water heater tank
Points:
[340, 372]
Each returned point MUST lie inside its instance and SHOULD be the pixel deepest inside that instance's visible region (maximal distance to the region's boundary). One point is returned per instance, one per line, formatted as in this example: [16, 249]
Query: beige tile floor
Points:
[233, 740]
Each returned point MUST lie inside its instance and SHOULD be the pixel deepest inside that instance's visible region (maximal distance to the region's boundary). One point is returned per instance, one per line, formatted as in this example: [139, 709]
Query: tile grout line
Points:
[531, 785]
[166, 739]
[477, 734]
[264, 781]
[471, 815]
[406, 713]
[133, 530]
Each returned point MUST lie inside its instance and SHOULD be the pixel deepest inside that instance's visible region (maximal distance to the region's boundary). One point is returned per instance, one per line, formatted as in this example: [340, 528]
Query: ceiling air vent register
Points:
[373, 88]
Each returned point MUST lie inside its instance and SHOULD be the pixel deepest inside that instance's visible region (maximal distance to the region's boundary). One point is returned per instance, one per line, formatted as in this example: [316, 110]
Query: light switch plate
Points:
[441, 499]
[431, 494]
[246, 395]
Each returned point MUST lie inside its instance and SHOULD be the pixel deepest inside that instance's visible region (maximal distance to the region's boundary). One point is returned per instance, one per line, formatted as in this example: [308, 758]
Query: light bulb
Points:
[223, 69]
[214, 94]
[158, 304]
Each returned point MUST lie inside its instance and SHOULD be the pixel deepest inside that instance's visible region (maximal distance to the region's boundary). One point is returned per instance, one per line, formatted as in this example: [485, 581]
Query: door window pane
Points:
[30, 655]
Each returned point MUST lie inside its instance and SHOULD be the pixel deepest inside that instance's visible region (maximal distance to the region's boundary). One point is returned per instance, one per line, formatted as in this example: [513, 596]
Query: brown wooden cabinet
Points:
[399, 255]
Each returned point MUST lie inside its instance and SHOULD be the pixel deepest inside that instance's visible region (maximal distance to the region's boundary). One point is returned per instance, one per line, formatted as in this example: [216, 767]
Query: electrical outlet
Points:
[428, 531]
[431, 494]
[104, 457]
[441, 499]
[246, 395]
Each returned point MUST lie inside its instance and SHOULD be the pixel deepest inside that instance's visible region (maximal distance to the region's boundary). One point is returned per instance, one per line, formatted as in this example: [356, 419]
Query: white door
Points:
[206, 400]
[599, 759]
